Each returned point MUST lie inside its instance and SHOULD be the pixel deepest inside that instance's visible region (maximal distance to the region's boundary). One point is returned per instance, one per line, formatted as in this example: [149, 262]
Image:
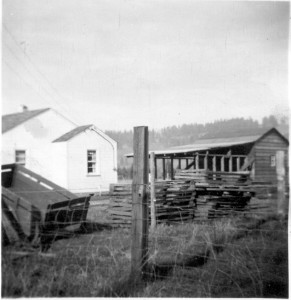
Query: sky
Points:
[124, 63]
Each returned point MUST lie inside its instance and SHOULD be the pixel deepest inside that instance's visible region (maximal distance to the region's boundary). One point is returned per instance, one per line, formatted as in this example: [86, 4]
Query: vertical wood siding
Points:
[264, 149]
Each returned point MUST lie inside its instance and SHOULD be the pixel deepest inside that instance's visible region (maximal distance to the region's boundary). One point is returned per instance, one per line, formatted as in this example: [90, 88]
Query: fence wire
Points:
[243, 253]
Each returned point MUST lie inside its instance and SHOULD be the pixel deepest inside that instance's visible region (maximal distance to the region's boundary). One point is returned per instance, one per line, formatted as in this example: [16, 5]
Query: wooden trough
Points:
[35, 209]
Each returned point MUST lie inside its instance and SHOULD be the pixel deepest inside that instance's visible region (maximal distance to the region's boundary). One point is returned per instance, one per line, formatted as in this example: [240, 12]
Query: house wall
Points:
[79, 180]
[60, 164]
[35, 136]
[264, 149]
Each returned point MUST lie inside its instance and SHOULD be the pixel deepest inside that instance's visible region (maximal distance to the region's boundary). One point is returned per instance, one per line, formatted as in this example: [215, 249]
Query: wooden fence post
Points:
[153, 192]
[280, 169]
[139, 245]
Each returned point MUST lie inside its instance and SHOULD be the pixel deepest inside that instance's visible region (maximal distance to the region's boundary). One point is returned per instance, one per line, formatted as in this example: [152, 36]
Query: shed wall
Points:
[265, 148]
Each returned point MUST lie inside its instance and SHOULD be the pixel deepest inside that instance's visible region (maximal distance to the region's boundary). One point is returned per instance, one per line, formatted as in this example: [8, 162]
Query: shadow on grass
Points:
[49, 236]
[91, 227]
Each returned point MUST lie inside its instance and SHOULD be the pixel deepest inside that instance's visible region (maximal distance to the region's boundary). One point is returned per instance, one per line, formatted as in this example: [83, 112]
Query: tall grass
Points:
[238, 258]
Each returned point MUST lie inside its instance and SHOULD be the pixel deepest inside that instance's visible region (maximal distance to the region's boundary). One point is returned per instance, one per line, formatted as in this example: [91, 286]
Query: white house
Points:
[79, 158]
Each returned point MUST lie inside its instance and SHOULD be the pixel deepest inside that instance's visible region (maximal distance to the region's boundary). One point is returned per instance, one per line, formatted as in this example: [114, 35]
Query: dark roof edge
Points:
[275, 130]
[66, 136]
[40, 111]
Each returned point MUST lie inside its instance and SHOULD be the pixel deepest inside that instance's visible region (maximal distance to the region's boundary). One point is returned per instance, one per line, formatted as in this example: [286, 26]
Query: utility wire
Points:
[22, 79]
[44, 78]
[29, 72]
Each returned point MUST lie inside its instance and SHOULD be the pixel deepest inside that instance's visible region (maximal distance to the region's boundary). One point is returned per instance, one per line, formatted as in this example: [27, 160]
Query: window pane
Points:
[91, 167]
[273, 161]
[91, 155]
[91, 161]
[20, 157]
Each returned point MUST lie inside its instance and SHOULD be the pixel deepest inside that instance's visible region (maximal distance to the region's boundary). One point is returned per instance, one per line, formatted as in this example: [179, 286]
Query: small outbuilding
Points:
[81, 159]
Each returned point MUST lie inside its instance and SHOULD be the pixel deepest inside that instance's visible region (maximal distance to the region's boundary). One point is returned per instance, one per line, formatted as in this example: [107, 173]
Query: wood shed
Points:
[252, 150]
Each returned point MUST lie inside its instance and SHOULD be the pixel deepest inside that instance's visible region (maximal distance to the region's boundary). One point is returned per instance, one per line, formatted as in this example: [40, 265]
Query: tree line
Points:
[188, 133]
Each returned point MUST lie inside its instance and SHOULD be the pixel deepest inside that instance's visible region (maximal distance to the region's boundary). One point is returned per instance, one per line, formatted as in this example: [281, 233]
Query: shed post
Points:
[206, 161]
[197, 161]
[237, 163]
[153, 191]
[172, 168]
[222, 164]
[214, 163]
[230, 163]
[164, 168]
[139, 245]
[280, 170]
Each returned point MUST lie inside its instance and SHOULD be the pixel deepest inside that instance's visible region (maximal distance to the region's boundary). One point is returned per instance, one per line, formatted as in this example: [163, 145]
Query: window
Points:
[92, 162]
[273, 161]
[20, 157]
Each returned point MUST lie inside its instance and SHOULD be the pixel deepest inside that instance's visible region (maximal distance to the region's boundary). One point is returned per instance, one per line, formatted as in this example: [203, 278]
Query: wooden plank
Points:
[206, 161]
[25, 214]
[214, 163]
[10, 223]
[230, 164]
[153, 196]
[37, 194]
[222, 164]
[9, 234]
[164, 168]
[156, 169]
[172, 168]
[197, 161]
[139, 246]
[39, 178]
[281, 187]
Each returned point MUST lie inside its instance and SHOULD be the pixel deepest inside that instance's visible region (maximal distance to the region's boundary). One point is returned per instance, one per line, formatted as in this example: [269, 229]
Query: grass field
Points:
[238, 257]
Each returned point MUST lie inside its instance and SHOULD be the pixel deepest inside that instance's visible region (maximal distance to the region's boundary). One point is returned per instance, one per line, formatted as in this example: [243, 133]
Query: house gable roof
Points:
[69, 135]
[13, 120]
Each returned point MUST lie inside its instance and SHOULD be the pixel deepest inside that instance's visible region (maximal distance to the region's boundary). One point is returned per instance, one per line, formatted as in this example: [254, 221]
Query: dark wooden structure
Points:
[36, 207]
[240, 151]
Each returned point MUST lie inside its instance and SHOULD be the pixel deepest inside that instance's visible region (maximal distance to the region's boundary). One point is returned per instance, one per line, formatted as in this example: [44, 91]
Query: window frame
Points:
[273, 161]
[93, 161]
[23, 161]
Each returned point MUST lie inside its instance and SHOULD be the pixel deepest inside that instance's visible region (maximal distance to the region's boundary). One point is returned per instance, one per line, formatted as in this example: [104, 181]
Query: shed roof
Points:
[69, 135]
[12, 120]
[216, 143]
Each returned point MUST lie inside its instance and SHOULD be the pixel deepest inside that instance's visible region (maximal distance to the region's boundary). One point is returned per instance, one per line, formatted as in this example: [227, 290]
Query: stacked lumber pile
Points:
[174, 201]
[120, 206]
[187, 199]
[204, 176]
[211, 207]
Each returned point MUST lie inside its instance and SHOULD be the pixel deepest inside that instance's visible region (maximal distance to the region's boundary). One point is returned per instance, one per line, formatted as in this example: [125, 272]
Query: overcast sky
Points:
[124, 63]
